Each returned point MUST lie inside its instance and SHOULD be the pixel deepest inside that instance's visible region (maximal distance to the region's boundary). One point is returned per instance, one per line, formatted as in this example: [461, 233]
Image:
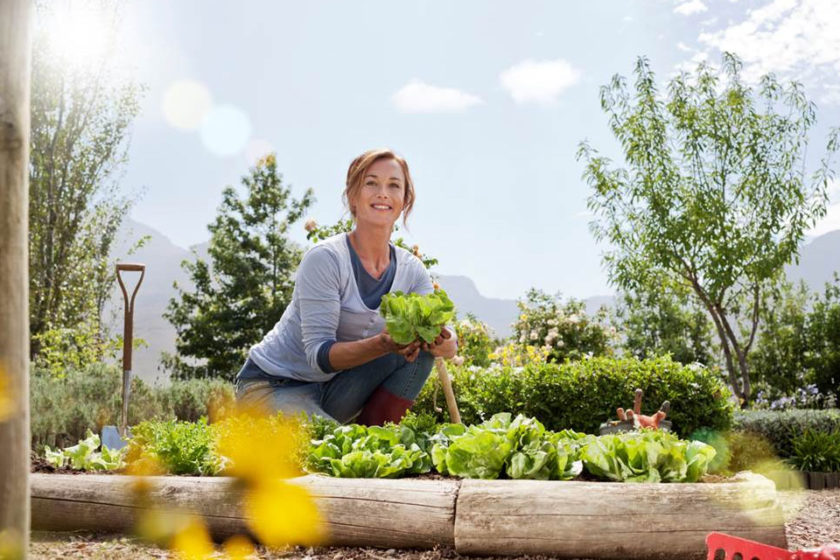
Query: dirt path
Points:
[813, 519]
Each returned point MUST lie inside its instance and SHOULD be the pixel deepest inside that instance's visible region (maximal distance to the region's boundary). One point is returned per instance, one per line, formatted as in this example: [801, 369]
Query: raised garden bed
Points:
[565, 519]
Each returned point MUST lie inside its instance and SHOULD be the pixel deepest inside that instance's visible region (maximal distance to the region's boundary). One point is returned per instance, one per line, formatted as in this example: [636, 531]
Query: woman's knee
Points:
[407, 381]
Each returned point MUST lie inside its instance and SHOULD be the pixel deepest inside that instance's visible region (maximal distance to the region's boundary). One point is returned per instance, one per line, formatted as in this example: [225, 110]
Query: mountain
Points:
[818, 259]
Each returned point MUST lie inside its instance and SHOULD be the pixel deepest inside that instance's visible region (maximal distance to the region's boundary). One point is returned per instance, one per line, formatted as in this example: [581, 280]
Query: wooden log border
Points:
[499, 517]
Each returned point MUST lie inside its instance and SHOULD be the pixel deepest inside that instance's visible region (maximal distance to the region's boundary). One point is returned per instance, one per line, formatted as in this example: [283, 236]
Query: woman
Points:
[329, 354]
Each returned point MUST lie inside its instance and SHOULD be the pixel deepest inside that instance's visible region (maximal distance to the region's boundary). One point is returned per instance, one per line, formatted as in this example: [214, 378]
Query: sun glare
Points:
[78, 31]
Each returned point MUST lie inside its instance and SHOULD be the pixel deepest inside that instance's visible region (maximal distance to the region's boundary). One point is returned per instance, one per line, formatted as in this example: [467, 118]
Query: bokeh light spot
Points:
[225, 130]
[186, 104]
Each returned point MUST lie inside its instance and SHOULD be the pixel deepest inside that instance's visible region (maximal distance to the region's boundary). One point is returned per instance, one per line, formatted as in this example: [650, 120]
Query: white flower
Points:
[458, 360]
[522, 339]
[560, 343]
[573, 319]
[465, 324]
[554, 333]
[310, 225]
[552, 322]
[534, 335]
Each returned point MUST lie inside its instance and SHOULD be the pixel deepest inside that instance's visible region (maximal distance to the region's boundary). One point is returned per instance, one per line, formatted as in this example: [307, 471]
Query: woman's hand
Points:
[444, 346]
[408, 351]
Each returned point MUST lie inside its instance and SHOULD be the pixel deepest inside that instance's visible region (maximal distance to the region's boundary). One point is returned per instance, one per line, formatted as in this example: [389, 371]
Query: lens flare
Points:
[225, 130]
[186, 104]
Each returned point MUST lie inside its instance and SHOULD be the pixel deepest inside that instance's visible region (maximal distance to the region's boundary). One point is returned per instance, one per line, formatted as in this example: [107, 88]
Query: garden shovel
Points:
[110, 438]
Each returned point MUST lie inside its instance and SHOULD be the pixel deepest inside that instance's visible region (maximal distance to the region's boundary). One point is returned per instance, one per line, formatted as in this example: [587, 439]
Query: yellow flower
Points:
[258, 446]
[7, 403]
[192, 541]
[239, 547]
[282, 514]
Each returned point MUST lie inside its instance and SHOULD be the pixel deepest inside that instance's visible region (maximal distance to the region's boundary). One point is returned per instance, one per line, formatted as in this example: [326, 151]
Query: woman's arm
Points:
[345, 355]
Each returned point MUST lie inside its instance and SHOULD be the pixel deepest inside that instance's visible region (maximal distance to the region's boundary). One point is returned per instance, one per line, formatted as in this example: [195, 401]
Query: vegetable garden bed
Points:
[566, 519]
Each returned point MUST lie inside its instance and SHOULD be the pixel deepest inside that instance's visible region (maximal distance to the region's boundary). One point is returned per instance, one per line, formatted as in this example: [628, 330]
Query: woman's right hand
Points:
[408, 351]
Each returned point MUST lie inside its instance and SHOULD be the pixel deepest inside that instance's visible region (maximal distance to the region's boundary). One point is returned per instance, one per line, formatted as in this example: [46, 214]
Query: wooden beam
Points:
[15, 64]
[402, 513]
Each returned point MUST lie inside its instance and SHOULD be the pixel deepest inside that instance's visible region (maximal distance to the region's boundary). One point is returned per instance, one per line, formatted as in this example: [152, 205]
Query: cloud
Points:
[690, 7]
[795, 39]
[420, 97]
[539, 81]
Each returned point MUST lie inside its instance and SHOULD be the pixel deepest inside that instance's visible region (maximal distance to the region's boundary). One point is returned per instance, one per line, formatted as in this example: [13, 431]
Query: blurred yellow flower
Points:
[239, 547]
[282, 514]
[7, 403]
[192, 541]
[259, 446]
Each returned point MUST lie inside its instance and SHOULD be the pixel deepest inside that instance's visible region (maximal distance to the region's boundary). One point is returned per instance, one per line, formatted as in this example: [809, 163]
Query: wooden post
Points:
[15, 62]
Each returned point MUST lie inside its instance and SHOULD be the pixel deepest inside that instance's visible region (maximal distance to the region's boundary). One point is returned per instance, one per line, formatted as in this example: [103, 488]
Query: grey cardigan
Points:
[326, 305]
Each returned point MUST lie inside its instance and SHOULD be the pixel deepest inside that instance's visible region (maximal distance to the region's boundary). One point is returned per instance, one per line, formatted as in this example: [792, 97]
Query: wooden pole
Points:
[15, 62]
[451, 403]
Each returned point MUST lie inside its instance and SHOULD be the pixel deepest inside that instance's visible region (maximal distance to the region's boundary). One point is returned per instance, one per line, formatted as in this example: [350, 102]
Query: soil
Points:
[813, 519]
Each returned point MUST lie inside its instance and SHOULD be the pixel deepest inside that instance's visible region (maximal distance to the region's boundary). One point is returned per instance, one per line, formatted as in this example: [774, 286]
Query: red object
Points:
[383, 406]
[751, 550]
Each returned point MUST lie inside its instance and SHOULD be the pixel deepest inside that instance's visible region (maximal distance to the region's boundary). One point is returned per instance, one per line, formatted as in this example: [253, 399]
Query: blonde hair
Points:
[358, 169]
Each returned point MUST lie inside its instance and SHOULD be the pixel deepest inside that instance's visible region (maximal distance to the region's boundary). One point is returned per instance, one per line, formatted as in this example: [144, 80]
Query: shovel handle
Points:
[128, 329]
[443, 375]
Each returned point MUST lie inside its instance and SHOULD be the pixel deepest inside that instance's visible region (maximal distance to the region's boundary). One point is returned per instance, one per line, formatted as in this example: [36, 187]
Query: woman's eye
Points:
[395, 185]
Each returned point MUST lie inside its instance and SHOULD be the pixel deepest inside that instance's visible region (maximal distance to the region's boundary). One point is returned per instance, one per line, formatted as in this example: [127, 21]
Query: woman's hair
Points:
[358, 169]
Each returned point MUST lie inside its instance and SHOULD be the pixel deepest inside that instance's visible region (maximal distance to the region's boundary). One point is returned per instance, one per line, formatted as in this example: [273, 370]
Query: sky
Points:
[487, 101]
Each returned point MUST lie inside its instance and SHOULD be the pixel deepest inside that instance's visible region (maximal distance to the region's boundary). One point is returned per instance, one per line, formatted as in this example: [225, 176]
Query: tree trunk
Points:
[15, 68]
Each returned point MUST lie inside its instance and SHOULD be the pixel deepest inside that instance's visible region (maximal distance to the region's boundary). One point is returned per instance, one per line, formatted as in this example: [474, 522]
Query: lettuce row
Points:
[518, 448]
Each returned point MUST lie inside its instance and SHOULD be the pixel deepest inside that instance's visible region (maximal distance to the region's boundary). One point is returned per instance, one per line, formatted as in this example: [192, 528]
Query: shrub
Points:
[816, 451]
[748, 451]
[582, 395]
[565, 331]
[780, 428]
[475, 342]
[64, 408]
[180, 447]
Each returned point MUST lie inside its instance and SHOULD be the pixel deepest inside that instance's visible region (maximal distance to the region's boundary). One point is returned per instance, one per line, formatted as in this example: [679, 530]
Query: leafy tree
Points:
[80, 118]
[713, 193]
[823, 336]
[662, 319]
[780, 358]
[248, 284]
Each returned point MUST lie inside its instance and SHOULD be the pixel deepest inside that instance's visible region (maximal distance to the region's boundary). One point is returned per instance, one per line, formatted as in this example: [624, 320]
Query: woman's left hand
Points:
[444, 346]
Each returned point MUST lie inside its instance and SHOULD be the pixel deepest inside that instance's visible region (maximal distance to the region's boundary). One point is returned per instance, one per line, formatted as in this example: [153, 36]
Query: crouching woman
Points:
[330, 354]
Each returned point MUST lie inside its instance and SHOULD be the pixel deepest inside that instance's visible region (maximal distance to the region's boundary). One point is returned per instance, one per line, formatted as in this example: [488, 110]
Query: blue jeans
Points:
[342, 397]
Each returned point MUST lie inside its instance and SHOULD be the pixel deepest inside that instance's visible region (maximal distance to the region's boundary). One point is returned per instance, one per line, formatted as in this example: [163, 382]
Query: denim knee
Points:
[407, 381]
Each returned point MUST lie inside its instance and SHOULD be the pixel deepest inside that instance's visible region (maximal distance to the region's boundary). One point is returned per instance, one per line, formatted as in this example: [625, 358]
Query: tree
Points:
[713, 193]
[248, 284]
[823, 336]
[81, 113]
[662, 319]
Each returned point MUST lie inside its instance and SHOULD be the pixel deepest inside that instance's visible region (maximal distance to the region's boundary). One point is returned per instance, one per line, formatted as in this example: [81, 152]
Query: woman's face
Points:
[380, 199]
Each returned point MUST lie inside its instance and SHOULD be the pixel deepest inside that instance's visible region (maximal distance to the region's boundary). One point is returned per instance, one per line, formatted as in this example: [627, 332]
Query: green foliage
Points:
[565, 331]
[84, 456]
[823, 335]
[780, 428]
[748, 451]
[356, 451]
[243, 291]
[719, 209]
[664, 318]
[64, 408]
[779, 359]
[475, 343]
[409, 317]
[80, 120]
[501, 446]
[647, 456]
[180, 447]
[582, 395]
[816, 451]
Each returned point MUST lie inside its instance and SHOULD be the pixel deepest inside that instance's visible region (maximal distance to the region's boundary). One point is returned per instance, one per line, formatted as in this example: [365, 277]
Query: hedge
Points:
[581, 395]
[780, 427]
